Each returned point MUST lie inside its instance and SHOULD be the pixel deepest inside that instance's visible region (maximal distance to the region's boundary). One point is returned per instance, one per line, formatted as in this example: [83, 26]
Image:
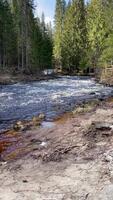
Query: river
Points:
[53, 97]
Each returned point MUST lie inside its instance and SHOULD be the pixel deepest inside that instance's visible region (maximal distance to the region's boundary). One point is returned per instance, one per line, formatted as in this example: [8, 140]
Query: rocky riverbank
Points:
[72, 159]
[7, 78]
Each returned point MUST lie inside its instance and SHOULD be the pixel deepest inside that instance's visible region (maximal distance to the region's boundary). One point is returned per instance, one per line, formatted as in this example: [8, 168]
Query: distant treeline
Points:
[83, 34]
[25, 41]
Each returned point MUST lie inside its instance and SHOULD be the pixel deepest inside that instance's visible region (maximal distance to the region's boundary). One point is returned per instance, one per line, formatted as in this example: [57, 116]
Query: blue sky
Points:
[46, 6]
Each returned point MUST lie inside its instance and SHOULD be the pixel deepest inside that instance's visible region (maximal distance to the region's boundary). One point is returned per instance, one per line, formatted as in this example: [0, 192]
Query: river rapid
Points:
[54, 97]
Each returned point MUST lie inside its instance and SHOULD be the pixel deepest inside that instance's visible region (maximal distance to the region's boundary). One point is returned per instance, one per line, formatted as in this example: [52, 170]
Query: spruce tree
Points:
[25, 42]
[74, 36]
[96, 30]
[59, 21]
[7, 36]
[106, 55]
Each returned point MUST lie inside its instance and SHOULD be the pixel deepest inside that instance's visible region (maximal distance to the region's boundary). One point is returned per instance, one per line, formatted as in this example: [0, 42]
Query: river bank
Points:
[70, 160]
[23, 101]
[7, 78]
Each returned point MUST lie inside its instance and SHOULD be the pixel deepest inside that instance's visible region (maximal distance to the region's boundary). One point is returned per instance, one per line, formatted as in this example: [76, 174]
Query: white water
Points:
[53, 97]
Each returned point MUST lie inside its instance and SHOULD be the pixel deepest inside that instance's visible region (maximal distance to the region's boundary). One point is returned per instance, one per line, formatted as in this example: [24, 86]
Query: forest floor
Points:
[7, 78]
[71, 160]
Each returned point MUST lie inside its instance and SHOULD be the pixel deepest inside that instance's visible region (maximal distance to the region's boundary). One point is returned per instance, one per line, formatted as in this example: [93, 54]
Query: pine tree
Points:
[7, 36]
[59, 21]
[107, 46]
[46, 45]
[25, 42]
[96, 30]
[23, 13]
[42, 45]
[74, 36]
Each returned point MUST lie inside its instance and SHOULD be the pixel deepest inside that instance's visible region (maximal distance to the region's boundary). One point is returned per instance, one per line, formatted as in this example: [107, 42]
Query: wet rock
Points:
[20, 126]
[38, 119]
[25, 125]
[41, 116]
[92, 93]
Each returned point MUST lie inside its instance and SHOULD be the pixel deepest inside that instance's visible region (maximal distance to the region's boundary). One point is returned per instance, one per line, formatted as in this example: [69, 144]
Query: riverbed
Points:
[22, 101]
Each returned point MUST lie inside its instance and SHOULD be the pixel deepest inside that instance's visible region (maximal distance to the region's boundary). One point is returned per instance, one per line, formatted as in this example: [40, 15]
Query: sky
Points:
[46, 6]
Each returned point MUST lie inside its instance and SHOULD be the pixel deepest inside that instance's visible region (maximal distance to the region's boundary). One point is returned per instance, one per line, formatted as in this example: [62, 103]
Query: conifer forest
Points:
[56, 99]
[81, 37]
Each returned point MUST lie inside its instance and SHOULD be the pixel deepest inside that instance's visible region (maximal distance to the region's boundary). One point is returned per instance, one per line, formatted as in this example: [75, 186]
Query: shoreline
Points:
[8, 79]
[72, 159]
[30, 126]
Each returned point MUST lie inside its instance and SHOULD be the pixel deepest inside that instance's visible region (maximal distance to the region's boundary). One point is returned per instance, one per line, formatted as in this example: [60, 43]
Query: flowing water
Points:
[53, 97]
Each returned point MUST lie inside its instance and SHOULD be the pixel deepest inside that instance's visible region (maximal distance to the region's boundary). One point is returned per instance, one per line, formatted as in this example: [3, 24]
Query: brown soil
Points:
[72, 160]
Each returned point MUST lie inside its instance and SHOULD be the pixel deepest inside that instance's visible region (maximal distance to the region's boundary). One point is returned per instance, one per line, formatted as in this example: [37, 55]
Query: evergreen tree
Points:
[107, 46]
[33, 42]
[42, 45]
[74, 36]
[59, 20]
[7, 36]
[96, 30]
[23, 15]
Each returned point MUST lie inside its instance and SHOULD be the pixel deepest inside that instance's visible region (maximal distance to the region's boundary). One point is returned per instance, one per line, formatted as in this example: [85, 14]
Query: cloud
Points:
[48, 20]
[46, 6]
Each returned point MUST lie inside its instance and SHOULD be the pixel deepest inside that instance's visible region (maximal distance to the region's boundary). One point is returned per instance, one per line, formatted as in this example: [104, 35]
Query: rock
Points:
[108, 158]
[43, 144]
[36, 141]
[19, 126]
[24, 125]
[25, 181]
[41, 116]
[103, 126]
[92, 93]
[38, 119]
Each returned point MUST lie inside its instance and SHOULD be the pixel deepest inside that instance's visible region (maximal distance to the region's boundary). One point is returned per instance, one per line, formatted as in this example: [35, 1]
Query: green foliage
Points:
[96, 29]
[42, 45]
[100, 31]
[7, 36]
[71, 40]
[83, 36]
[107, 53]
[58, 32]
[25, 42]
